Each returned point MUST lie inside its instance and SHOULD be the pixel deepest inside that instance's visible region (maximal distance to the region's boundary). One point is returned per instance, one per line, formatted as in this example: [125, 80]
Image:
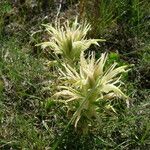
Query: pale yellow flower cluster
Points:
[89, 81]
[69, 40]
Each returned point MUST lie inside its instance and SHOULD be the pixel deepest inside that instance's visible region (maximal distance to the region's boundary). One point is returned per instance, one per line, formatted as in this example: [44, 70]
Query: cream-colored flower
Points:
[69, 40]
[89, 85]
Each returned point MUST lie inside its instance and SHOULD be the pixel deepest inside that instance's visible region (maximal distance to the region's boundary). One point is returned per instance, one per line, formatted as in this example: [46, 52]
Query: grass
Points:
[29, 116]
[123, 24]
[22, 76]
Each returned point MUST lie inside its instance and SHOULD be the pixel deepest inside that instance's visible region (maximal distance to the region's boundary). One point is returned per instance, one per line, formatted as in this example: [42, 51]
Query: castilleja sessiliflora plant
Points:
[88, 82]
[69, 39]
[85, 88]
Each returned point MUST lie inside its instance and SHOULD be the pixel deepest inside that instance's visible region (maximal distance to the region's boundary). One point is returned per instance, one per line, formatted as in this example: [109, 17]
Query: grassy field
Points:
[37, 82]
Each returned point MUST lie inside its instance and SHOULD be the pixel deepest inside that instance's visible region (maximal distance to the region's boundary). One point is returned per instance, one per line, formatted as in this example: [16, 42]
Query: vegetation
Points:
[88, 86]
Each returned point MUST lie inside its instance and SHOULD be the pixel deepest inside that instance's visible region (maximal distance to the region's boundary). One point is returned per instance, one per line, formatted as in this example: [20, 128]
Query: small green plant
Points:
[86, 89]
[69, 40]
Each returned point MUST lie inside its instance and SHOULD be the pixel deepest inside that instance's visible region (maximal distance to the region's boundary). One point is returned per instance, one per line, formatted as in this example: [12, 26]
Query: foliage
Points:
[22, 78]
[124, 24]
[4, 8]
[17, 71]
